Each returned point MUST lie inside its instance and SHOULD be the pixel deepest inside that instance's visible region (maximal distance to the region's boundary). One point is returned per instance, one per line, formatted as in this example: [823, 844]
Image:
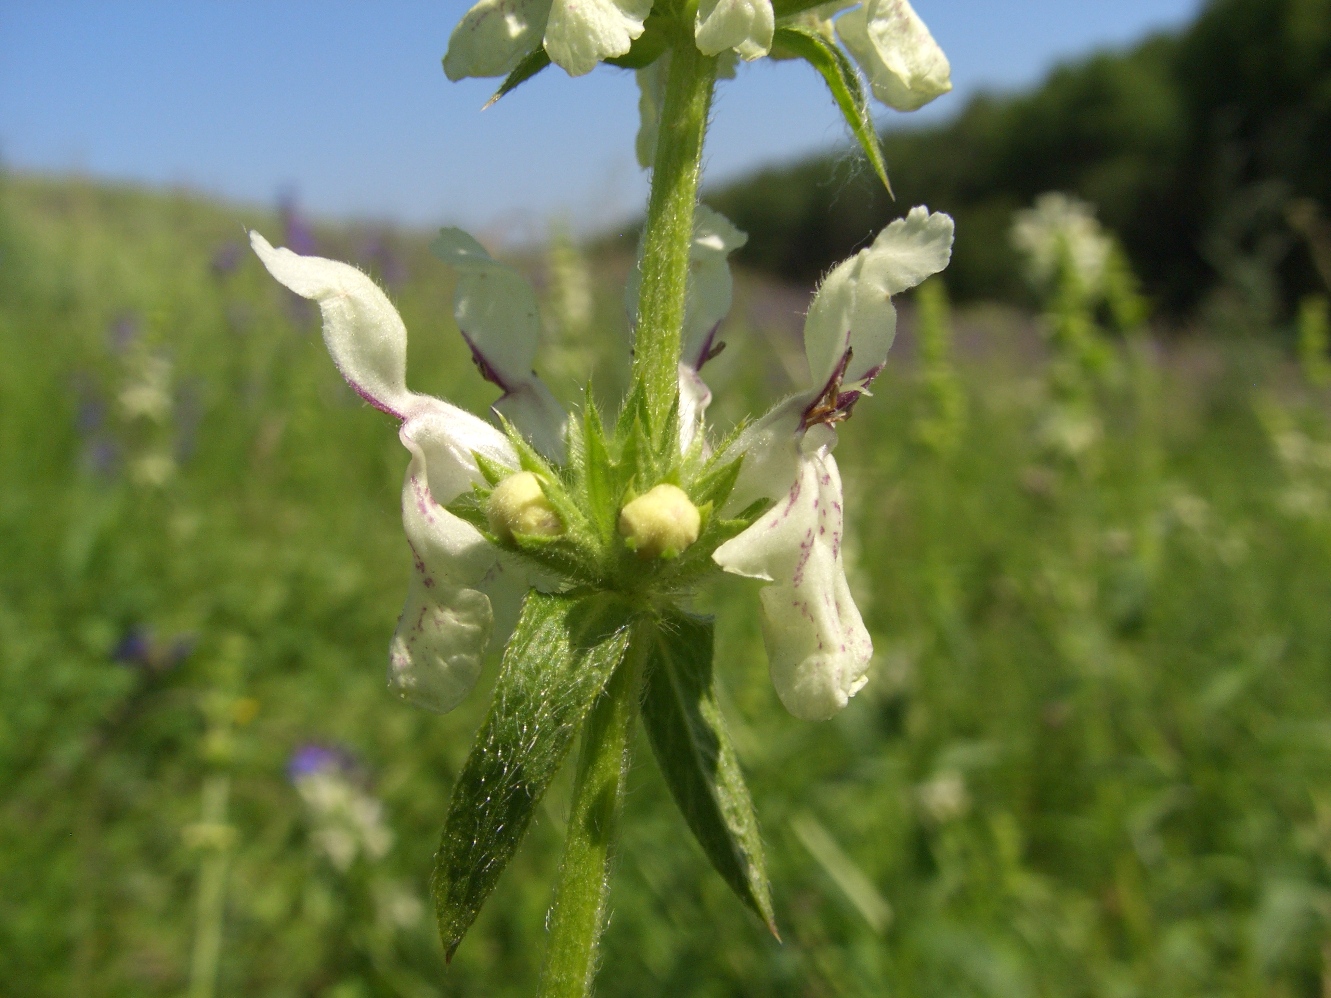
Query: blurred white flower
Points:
[147, 390]
[346, 821]
[1062, 230]
[944, 797]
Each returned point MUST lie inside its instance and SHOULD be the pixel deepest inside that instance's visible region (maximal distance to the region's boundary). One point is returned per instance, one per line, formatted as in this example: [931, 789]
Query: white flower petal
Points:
[361, 328]
[905, 66]
[710, 285]
[771, 455]
[694, 398]
[437, 650]
[817, 647]
[495, 307]
[496, 311]
[580, 33]
[743, 25]
[853, 309]
[494, 36]
[450, 438]
[536, 413]
[651, 98]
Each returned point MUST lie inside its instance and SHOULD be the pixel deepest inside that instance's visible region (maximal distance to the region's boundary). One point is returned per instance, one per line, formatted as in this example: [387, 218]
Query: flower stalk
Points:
[668, 232]
[578, 913]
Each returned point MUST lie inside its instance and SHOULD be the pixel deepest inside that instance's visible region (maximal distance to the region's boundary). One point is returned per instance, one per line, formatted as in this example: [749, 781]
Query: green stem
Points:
[668, 234]
[212, 889]
[578, 913]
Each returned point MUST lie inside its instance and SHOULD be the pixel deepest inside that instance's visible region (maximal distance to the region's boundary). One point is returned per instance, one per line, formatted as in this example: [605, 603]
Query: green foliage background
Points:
[1191, 145]
[1094, 757]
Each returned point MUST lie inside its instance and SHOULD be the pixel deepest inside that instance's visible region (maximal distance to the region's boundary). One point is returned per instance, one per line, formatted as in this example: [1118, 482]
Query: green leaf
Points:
[844, 82]
[491, 471]
[532, 63]
[599, 476]
[697, 759]
[716, 483]
[560, 657]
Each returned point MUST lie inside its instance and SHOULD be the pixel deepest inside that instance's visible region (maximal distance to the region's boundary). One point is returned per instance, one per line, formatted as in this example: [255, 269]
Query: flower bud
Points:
[519, 506]
[660, 523]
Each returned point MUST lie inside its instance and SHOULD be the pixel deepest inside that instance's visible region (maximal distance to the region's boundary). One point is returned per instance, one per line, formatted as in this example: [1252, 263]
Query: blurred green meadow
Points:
[1094, 756]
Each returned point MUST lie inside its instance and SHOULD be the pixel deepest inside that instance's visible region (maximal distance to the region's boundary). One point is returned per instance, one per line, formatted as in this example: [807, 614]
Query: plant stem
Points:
[212, 889]
[668, 234]
[578, 913]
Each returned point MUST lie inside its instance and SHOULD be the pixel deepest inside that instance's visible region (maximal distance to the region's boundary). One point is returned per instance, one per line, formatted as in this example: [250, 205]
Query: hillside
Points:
[1193, 146]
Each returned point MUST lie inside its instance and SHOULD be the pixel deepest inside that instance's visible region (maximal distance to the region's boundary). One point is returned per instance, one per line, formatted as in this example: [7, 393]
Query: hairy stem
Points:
[668, 234]
[578, 913]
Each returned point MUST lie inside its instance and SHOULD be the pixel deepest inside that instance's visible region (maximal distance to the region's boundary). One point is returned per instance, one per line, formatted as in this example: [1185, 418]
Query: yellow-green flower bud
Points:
[518, 506]
[660, 523]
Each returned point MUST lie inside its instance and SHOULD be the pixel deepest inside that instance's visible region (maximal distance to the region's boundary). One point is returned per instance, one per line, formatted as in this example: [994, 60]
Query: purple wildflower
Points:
[313, 759]
[123, 332]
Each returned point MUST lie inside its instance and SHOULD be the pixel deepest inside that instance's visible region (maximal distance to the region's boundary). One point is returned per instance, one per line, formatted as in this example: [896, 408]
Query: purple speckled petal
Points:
[439, 645]
[817, 647]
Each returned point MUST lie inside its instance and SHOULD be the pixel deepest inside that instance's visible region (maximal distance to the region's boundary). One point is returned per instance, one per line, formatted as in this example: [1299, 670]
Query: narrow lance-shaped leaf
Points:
[844, 82]
[697, 759]
[532, 63]
[602, 495]
[560, 657]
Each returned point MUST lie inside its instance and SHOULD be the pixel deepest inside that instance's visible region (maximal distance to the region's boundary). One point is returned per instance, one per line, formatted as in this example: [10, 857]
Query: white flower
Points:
[743, 25]
[905, 66]
[348, 822]
[495, 35]
[710, 290]
[1062, 228]
[437, 650]
[651, 99]
[817, 647]
[496, 311]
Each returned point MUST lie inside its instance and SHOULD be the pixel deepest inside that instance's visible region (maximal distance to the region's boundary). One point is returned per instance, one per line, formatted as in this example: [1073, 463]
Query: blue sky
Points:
[345, 104]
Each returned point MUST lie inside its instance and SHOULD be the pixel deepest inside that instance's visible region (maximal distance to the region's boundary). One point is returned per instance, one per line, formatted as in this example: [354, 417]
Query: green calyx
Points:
[575, 528]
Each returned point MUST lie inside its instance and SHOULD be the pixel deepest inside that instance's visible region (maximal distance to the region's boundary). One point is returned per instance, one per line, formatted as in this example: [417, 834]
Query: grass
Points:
[1094, 757]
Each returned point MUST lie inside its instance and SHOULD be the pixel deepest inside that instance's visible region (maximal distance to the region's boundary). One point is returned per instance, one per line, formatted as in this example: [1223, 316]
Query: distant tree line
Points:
[1198, 148]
